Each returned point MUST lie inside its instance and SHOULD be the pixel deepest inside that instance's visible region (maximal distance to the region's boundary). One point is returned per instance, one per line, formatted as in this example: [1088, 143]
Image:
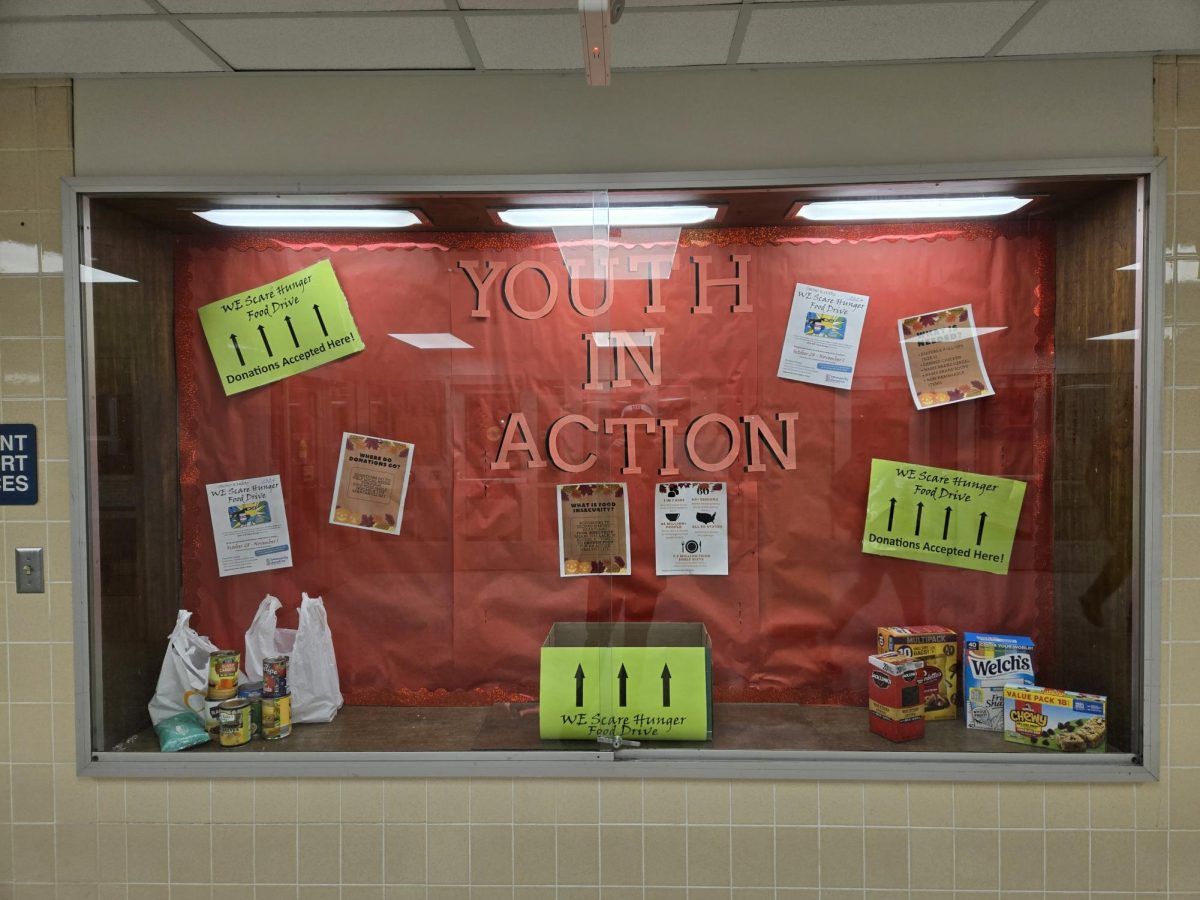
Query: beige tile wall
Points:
[71, 839]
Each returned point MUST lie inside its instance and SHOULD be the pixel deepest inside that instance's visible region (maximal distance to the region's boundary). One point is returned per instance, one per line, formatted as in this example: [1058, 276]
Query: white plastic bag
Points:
[312, 668]
[184, 668]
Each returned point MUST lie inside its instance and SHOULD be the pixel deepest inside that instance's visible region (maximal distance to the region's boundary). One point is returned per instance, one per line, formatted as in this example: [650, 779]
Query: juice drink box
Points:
[937, 646]
[1056, 720]
[990, 661]
[894, 696]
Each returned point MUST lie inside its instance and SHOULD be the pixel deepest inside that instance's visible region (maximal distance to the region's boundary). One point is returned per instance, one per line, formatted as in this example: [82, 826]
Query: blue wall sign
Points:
[18, 465]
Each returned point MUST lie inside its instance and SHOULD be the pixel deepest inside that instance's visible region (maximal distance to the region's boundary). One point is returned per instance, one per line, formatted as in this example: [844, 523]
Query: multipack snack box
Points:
[937, 646]
[894, 696]
[1056, 720]
[991, 661]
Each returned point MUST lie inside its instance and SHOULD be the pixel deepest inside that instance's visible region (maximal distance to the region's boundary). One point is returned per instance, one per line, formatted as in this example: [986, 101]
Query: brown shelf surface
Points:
[736, 726]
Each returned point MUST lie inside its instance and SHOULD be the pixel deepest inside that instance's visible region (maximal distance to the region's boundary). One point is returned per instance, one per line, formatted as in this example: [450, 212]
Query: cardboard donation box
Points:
[641, 681]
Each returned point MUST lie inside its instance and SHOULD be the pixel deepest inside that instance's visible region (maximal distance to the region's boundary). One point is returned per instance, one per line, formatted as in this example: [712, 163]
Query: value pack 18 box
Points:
[1056, 720]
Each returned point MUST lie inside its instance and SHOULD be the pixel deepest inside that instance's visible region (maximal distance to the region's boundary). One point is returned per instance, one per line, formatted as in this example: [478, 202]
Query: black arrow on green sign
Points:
[621, 677]
[666, 677]
[237, 349]
[262, 332]
[891, 513]
[920, 509]
[292, 330]
[579, 685]
[982, 522]
[946, 524]
[320, 321]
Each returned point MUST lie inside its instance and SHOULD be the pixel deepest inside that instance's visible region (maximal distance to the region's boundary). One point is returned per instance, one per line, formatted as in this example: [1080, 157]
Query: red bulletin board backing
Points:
[454, 609]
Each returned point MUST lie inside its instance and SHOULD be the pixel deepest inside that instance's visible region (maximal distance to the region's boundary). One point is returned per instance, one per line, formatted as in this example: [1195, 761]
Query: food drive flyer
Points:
[824, 329]
[942, 516]
[279, 329]
[690, 529]
[593, 530]
[942, 358]
[371, 484]
[249, 525]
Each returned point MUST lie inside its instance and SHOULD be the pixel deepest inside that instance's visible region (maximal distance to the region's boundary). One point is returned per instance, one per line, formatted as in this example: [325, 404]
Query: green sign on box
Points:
[280, 329]
[633, 680]
[942, 516]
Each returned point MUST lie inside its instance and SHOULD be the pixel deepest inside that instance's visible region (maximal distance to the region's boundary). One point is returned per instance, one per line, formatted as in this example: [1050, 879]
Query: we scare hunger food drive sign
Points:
[942, 516]
[279, 329]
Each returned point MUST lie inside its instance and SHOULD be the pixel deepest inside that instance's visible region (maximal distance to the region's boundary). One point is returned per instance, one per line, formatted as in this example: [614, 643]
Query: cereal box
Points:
[990, 661]
[894, 696]
[1056, 720]
[938, 647]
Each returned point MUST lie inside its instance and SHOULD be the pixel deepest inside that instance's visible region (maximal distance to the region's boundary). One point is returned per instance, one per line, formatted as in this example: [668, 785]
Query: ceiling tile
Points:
[84, 48]
[286, 6]
[528, 42]
[362, 42]
[14, 8]
[646, 39]
[803, 34]
[1109, 26]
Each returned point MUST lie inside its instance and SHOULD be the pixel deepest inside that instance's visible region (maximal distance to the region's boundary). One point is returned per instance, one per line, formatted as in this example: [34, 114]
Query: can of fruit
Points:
[276, 717]
[235, 722]
[223, 674]
[275, 676]
[253, 693]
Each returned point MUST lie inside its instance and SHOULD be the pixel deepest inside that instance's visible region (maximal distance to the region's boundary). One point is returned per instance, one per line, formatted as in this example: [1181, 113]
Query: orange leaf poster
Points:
[372, 480]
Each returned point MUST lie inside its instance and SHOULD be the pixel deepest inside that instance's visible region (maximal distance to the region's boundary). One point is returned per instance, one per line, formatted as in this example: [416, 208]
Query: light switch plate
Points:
[31, 575]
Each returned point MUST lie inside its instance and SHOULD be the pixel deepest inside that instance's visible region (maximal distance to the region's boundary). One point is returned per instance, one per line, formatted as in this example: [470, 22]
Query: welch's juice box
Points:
[990, 661]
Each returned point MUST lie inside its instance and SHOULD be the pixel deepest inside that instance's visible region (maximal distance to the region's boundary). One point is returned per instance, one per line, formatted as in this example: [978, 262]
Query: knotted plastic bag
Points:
[312, 666]
[184, 668]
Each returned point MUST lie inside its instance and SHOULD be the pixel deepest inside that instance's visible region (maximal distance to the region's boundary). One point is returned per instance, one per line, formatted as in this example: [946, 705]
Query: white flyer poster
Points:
[822, 338]
[249, 525]
[691, 531]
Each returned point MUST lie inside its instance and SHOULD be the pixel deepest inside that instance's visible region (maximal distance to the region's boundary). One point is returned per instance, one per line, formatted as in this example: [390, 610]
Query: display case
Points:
[628, 475]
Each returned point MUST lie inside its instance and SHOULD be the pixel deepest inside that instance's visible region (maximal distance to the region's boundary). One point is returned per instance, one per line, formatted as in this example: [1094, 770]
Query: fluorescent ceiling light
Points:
[612, 216]
[99, 276]
[433, 341]
[979, 331]
[294, 217]
[906, 209]
[637, 338]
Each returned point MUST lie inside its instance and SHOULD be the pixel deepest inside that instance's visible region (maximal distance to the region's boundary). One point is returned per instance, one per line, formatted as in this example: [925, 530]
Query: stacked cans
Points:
[232, 713]
[276, 699]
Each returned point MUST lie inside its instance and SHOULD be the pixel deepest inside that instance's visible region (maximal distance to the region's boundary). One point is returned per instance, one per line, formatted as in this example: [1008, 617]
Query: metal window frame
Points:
[634, 762]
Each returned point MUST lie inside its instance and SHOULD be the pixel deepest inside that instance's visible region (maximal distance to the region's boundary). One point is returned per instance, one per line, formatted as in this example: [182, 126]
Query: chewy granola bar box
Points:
[937, 646]
[990, 661]
[1056, 720]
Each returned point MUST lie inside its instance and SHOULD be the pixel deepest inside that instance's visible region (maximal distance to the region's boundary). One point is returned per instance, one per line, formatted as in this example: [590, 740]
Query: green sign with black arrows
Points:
[592, 686]
[942, 516]
[279, 329]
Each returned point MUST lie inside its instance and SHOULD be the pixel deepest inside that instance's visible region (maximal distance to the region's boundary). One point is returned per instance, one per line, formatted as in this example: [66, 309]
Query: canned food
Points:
[223, 674]
[212, 718]
[275, 676]
[276, 717]
[253, 693]
[235, 722]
